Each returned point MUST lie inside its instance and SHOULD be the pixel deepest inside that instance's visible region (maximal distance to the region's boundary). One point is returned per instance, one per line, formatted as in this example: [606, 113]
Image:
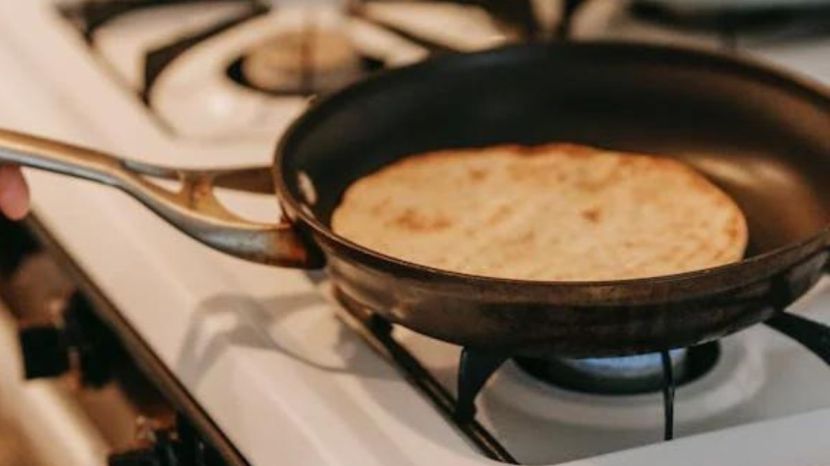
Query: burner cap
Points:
[626, 375]
[305, 61]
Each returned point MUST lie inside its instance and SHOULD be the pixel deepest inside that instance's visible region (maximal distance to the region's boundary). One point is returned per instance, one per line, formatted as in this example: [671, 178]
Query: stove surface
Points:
[261, 348]
[760, 375]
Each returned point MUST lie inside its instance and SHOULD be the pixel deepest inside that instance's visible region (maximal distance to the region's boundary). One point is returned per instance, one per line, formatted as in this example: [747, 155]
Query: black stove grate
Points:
[777, 22]
[477, 366]
[377, 332]
[669, 387]
[812, 335]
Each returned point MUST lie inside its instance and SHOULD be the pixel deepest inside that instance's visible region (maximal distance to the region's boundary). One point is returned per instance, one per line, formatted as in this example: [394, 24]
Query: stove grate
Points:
[812, 335]
[669, 386]
[377, 332]
[477, 366]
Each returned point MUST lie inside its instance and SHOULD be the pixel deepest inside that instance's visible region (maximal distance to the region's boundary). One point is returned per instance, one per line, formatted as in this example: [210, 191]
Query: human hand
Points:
[14, 193]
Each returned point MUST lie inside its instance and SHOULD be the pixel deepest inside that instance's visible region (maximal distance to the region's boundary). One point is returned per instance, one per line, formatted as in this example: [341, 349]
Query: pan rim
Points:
[735, 63]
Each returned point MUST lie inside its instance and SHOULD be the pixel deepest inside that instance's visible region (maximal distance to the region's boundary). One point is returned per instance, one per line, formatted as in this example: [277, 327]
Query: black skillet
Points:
[762, 135]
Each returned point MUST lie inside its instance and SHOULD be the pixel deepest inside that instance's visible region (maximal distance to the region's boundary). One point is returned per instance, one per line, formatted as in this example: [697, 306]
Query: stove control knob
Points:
[45, 351]
[81, 343]
[95, 346]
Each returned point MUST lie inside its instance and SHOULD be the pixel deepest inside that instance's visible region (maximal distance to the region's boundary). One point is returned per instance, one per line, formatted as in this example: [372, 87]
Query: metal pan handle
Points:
[193, 209]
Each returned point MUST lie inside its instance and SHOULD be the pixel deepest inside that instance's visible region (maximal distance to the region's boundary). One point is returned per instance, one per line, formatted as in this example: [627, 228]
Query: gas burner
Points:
[248, 87]
[713, 371]
[627, 375]
[235, 72]
[308, 61]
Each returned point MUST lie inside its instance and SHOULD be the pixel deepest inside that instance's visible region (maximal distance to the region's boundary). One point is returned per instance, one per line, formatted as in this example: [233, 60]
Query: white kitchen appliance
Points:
[265, 364]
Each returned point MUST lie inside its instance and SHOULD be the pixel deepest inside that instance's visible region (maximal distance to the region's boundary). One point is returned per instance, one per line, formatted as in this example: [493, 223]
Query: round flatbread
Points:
[557, 212]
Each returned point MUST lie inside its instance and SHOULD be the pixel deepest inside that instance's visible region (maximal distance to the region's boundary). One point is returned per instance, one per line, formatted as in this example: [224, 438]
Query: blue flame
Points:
[628, 366]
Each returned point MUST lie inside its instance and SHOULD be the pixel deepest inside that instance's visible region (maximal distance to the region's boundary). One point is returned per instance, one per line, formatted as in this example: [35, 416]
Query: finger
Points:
[14, 194]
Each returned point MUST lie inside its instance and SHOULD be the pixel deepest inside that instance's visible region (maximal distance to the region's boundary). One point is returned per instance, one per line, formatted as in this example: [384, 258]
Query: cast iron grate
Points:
[477, 366]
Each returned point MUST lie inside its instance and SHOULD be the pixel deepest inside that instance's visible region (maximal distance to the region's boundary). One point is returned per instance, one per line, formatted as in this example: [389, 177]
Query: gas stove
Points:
[277, 368]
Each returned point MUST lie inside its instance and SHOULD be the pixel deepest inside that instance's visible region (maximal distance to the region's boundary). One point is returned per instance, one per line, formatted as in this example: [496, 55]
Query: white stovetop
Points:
[260, 348]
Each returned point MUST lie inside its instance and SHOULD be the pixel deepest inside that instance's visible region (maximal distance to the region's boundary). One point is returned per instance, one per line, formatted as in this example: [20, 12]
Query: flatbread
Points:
[557, 212]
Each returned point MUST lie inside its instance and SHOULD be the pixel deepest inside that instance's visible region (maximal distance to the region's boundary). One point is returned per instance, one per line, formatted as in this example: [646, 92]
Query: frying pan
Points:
[760, 134]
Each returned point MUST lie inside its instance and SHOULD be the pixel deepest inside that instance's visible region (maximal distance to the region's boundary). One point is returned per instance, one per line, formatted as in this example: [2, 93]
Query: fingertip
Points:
[14, 193]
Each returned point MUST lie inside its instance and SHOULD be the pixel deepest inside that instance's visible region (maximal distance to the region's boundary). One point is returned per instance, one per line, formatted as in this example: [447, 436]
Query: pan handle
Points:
[193, 209]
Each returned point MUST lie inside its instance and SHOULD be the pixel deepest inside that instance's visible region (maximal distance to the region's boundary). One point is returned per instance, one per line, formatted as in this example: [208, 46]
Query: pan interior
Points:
[761, 137]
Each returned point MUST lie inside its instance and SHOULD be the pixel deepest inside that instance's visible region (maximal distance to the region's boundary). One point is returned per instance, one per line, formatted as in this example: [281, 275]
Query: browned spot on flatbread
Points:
[419, 221]
[593, 215]
[477, 174]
